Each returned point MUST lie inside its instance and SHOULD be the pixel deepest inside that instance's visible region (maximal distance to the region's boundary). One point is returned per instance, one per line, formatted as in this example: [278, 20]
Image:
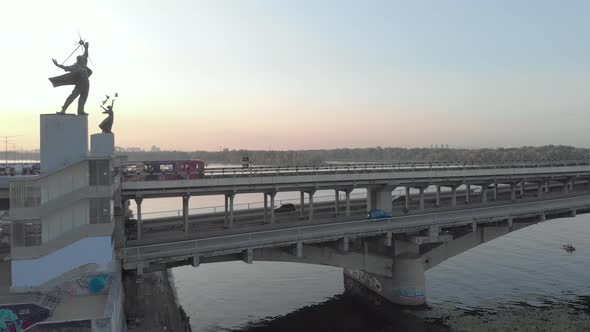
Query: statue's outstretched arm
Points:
[86, 50]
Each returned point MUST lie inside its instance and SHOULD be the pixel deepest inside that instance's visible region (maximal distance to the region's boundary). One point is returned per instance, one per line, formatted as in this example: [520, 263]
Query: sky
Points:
[205, 75]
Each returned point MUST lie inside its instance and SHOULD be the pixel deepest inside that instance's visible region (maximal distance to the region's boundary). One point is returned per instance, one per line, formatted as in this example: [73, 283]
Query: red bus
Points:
[173, 169]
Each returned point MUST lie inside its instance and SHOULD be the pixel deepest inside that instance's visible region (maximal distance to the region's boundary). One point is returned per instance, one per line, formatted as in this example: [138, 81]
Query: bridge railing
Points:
[245, 206]
[258, 171]
[326, 232]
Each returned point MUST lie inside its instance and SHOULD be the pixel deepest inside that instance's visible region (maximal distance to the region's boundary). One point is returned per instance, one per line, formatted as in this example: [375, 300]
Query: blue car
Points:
[378, 214]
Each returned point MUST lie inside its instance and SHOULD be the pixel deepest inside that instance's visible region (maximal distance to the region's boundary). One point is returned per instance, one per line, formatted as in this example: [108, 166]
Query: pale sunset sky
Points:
[200, 75]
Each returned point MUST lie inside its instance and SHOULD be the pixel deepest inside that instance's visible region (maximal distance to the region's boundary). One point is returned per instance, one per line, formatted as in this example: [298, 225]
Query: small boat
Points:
[568, 247]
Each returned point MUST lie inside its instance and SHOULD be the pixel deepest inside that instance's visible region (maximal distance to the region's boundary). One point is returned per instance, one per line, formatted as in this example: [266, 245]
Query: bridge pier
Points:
[380, 198]
[347, 192]
[301, 204]
[272, 206]
[185, 200]
[311, 193]
[229, 210]
[484, 193]
[467, 193]
[495, 191]
[522, 188]
[406, 286]
[421, 189]
[336, 201]
[138, 201]
[437, 195]
[512, 191]
[407, 198]
[539, 189]
[454, 195]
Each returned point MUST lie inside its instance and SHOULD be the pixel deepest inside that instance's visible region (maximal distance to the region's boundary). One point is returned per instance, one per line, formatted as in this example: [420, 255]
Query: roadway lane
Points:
[155, 230]
[236, 243]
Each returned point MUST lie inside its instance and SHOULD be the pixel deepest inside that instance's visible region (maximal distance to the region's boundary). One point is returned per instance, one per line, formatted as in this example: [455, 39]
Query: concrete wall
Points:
[71, 179]
[35, 272]
[62, 221]
[64, 140]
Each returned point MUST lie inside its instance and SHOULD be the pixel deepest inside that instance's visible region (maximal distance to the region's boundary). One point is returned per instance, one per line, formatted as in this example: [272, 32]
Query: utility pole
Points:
[6, 140]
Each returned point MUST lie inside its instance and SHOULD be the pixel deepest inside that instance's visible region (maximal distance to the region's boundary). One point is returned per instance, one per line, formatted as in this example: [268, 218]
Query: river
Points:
[522, 281]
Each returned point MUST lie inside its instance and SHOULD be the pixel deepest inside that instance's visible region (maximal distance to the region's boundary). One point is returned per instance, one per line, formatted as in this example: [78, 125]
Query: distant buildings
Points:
[131, 149]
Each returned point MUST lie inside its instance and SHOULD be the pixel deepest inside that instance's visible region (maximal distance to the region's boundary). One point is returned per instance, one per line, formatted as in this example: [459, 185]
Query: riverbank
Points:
[564, 316]
[157, 306]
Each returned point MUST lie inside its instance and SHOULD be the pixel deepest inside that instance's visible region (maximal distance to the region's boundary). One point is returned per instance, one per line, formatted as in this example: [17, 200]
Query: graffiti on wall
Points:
[366, 279]
[408, 292]
[92, 284]
[17, 317]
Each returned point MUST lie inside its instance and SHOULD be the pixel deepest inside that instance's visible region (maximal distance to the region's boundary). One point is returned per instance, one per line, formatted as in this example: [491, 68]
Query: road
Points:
[201, 226]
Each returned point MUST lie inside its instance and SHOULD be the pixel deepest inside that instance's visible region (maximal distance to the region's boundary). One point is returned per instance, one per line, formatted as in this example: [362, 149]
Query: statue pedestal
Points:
[64, 140]
[102, 145]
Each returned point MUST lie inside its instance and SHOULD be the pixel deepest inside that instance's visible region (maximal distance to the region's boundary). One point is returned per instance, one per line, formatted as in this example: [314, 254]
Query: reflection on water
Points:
[516, 280]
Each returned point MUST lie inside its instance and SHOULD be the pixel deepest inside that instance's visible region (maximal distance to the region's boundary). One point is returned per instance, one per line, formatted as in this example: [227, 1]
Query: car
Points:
[378, 214]
[288, 207]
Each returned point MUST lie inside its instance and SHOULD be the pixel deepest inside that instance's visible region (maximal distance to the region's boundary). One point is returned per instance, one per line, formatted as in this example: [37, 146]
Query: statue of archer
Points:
[78, 77]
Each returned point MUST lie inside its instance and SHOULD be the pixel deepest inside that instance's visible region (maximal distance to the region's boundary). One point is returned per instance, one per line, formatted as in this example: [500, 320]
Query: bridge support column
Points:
[388, 242]
[539, 189]
[484, 193]
[265, 218]
[495, 191]
[302, 204]
[408, 198]
[272, 206]
[311, 193]
[336, 201]
[185, 200]
[513, 191]
[437, 195]
[522, 188]
[547, 187]
[380, 198]
[454, 195]
[467, 193]
[406, 286]
[347, 192]
[421, 197]
[229, 210]
[138, 201]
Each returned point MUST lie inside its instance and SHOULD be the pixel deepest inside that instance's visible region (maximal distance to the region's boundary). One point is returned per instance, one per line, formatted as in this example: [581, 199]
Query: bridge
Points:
[440, 210]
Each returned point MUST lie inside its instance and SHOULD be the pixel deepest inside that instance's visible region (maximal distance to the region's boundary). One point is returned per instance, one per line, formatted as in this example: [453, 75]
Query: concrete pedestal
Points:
[405, 287]
[64, 140]
[102, 145]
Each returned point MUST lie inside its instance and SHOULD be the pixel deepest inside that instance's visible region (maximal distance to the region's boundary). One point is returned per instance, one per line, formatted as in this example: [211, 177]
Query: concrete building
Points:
[62, 251]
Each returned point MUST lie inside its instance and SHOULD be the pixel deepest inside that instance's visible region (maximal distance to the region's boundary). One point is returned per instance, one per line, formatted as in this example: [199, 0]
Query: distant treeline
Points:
[317, 157]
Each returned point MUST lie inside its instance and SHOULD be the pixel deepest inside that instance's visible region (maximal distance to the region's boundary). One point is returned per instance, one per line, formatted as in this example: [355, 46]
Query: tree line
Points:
[377, 154]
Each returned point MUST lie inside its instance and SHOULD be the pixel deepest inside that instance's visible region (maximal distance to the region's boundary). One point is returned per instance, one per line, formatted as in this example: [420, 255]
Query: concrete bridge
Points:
[387, 257]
